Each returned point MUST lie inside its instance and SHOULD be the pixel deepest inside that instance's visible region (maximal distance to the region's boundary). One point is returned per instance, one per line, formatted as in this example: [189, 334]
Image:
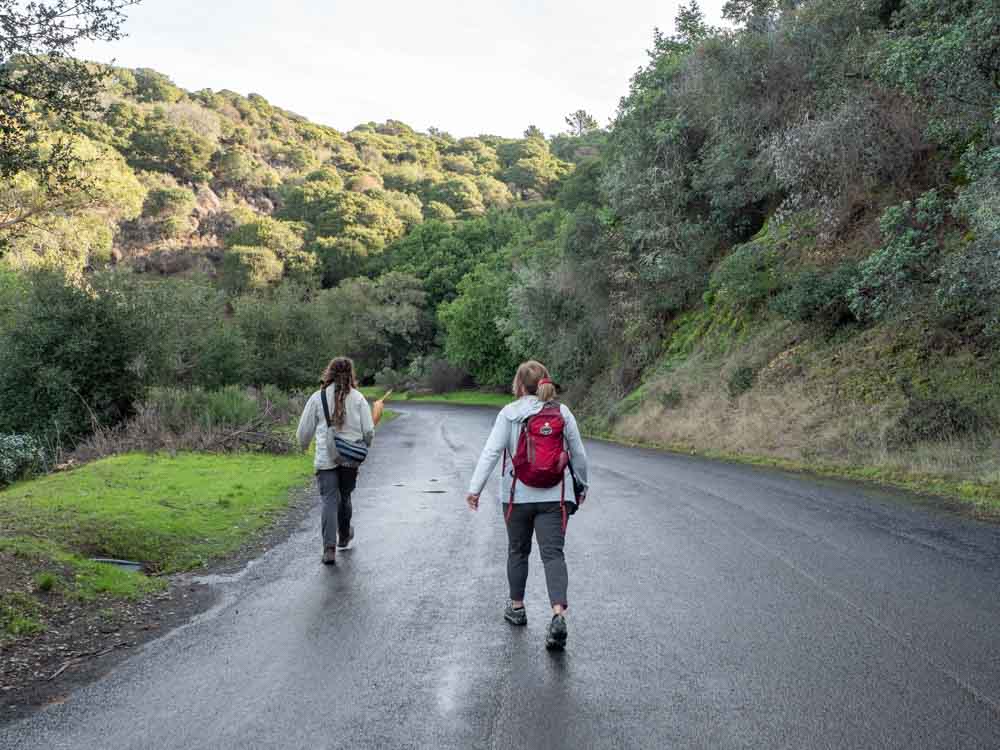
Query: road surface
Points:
[712, 606]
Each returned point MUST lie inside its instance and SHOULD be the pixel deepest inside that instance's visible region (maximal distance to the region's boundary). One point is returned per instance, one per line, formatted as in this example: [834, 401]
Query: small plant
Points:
[18, 615]
[45, 582]
[670, 399]
[741, 380]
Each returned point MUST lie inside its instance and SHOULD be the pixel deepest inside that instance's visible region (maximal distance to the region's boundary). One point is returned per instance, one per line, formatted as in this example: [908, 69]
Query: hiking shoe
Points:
[556, 634]
[329, 555]
[345, 543]
[515, 616]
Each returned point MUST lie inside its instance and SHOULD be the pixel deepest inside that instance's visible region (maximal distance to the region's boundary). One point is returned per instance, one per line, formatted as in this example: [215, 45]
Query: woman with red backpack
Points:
[539, 442]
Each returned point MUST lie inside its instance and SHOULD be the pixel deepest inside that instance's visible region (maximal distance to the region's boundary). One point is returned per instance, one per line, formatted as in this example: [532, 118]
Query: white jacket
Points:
[358, 424]
[506, 431]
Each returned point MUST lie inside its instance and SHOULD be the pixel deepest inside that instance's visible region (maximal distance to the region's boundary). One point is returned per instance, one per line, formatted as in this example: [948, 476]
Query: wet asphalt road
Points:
[712, 606]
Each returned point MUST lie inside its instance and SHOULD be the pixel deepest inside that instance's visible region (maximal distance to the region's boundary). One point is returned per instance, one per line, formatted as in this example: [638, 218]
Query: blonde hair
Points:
[526, 381]
[340, 374]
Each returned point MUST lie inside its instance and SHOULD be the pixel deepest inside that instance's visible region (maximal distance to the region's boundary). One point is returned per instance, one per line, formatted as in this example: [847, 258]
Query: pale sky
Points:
[468, 67]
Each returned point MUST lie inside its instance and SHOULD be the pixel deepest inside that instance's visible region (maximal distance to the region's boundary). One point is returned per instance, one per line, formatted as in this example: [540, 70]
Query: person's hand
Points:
[473, 501]
[580, 498]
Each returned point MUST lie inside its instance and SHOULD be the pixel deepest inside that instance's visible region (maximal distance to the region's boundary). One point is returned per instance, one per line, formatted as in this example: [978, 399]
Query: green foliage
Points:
[441, 254]
[178, 408]
[246, 269]
[75, 228]
[436, 210]
[282, 237]
[288, 338]
[946, 53]
[170, 209]
[238, 167]
[151, 86]
[70, 356]
[378, 323]
[19, 615]
[165, 147]
[818, 297]
[747, 278]
[474, 324]
[888, 281]
[20, 456]
[42, 84]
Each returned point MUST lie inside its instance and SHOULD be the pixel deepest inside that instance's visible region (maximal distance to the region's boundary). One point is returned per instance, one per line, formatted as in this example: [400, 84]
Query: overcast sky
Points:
[467, 66]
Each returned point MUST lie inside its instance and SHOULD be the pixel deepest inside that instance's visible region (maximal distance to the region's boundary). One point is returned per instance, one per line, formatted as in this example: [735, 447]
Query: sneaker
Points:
[345, 543]
[515, 616]
[329, 555]
[556, 634]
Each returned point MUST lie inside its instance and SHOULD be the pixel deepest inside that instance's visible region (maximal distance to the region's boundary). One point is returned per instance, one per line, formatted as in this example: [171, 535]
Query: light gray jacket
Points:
[506, 431]
[358, 424]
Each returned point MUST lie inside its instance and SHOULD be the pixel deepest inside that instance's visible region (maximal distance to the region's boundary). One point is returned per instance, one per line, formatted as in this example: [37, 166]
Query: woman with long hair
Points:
[336, 473]
[542, 451]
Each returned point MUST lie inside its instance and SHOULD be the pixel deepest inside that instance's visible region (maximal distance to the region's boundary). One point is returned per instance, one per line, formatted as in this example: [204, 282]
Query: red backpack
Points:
[541, 456]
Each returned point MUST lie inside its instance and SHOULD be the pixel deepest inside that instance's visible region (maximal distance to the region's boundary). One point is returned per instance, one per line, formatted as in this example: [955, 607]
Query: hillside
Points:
[184, 175]
[786, 245]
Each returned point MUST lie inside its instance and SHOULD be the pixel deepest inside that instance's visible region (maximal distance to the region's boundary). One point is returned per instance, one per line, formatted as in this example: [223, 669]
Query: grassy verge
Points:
[464, 398]
[982, 498]
[171, 513]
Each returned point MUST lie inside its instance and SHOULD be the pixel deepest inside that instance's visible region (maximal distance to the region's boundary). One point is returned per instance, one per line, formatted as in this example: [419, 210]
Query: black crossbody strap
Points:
[326, 406]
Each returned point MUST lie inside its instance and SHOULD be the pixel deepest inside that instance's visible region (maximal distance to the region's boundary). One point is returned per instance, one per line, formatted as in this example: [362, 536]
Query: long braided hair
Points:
[340, 374]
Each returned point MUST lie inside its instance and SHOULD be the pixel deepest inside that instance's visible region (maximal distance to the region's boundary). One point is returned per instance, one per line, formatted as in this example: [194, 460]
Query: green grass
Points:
[171, 513]
[464, 398]
[76, 576]
[19, 616]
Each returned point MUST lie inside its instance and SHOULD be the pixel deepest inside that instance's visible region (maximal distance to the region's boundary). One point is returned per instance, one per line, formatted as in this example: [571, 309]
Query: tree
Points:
[71, 356]
[533, 131]
[472, 322]
[41, 83]
[581, 122]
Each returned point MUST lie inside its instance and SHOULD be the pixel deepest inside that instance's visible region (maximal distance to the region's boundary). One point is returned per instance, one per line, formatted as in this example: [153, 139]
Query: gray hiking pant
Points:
[544, 520]
[335, 487]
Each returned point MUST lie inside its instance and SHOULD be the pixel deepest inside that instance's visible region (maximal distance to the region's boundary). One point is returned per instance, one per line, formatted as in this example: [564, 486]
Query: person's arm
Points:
[495, 445]
[578, 454]
[307, 424]
[367, 423]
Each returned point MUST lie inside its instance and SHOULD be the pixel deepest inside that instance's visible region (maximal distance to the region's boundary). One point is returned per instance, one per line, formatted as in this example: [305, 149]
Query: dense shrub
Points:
[889, 279]
[473, 323]
[282, 237]
[246, 269]
[436, 374]
[288, 337]
[165, 147]
[71, 356]
[20, 456]
[818, 297]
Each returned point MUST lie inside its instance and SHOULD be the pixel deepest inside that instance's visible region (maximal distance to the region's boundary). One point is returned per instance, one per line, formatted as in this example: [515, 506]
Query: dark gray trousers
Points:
[335, 487]
[544, 520]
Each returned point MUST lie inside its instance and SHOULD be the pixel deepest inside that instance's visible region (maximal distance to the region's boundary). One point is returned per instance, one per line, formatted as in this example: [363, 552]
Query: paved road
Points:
[713, 606]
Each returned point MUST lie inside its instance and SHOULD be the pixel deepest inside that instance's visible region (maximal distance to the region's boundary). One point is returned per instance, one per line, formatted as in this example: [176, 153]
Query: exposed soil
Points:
[83, 640]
